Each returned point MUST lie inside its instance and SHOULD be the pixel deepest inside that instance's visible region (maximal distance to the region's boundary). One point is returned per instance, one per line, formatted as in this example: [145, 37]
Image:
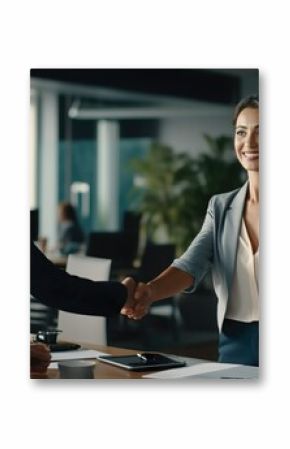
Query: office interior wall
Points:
[76, 158]
[186, 134]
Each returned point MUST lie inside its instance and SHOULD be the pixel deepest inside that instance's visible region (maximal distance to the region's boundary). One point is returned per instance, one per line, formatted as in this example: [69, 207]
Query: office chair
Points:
[156, 258]
[84, 328]
[120, 246]
[131, 231]
[34, 224]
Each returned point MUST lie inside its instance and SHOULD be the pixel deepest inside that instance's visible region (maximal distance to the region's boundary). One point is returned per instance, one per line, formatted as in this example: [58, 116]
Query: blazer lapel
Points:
[232, 228]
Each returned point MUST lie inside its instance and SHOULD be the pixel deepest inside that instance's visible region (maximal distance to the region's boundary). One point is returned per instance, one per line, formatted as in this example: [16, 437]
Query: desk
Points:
[106, 371]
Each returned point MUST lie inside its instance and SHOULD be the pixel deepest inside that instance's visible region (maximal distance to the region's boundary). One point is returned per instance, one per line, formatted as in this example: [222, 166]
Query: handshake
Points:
[139, 299]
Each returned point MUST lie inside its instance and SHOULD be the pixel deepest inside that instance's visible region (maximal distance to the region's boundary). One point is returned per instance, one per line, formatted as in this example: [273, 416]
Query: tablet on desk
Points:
[142, 361]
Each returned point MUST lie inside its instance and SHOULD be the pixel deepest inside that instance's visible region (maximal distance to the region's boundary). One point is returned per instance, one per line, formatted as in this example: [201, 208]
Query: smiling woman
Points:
[228, 246]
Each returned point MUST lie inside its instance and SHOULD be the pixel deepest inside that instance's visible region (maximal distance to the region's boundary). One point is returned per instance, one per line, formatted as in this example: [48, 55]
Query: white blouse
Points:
[243, 303]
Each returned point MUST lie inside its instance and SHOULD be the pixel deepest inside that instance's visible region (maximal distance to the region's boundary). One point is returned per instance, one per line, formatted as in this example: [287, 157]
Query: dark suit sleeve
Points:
[56, 288]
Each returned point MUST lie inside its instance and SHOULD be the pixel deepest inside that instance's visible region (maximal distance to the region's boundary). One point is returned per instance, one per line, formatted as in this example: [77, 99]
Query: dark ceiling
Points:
[195, 84]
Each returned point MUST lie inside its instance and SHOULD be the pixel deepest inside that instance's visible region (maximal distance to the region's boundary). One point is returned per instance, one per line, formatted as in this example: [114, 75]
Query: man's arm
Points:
[56, 288]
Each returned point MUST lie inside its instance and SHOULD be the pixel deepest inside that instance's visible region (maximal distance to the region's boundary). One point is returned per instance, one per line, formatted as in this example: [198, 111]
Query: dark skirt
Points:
[239, 343]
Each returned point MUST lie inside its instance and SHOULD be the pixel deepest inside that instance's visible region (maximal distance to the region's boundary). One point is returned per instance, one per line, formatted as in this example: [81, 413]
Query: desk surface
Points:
[105, 371]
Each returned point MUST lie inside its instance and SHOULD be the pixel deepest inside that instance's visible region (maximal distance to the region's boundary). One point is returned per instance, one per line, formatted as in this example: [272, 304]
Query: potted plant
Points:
[176, 188]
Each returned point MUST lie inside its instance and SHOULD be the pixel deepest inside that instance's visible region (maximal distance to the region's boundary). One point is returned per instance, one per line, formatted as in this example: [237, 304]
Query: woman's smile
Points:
[251, 155]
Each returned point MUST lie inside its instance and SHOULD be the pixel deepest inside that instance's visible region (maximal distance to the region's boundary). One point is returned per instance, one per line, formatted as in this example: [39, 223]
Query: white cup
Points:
[77, 369]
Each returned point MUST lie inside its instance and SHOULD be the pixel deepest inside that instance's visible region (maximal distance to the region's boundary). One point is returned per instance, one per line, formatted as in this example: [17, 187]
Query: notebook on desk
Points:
[142, 361]
[209, 370]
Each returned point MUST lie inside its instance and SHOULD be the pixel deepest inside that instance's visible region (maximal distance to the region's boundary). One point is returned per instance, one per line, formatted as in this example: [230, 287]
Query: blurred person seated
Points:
[71, 236]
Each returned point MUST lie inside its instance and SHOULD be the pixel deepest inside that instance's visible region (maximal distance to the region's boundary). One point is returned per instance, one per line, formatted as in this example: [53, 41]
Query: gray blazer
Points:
[215, 247]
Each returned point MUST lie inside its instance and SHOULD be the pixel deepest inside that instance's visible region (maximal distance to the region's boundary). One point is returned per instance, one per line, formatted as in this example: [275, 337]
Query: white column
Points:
[108, 174]
[48, 180]
[33, 151]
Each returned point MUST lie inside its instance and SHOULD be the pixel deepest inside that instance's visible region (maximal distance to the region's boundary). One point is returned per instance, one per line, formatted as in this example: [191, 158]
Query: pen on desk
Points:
[142, 357]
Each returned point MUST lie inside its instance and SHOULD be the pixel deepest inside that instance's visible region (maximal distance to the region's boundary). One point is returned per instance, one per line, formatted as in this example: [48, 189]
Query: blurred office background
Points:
[137, 153]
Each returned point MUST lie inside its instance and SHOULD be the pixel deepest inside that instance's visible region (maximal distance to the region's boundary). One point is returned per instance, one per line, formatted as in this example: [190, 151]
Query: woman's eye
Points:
[241, 133]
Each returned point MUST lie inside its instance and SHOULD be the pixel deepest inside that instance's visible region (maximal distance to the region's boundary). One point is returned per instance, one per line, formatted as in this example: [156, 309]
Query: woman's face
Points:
[247, 139]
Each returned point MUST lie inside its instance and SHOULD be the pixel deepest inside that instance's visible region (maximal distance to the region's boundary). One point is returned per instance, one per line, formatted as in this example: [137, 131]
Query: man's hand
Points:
[39, 359]
[143, 300]
[128, 307]
[139, 299]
